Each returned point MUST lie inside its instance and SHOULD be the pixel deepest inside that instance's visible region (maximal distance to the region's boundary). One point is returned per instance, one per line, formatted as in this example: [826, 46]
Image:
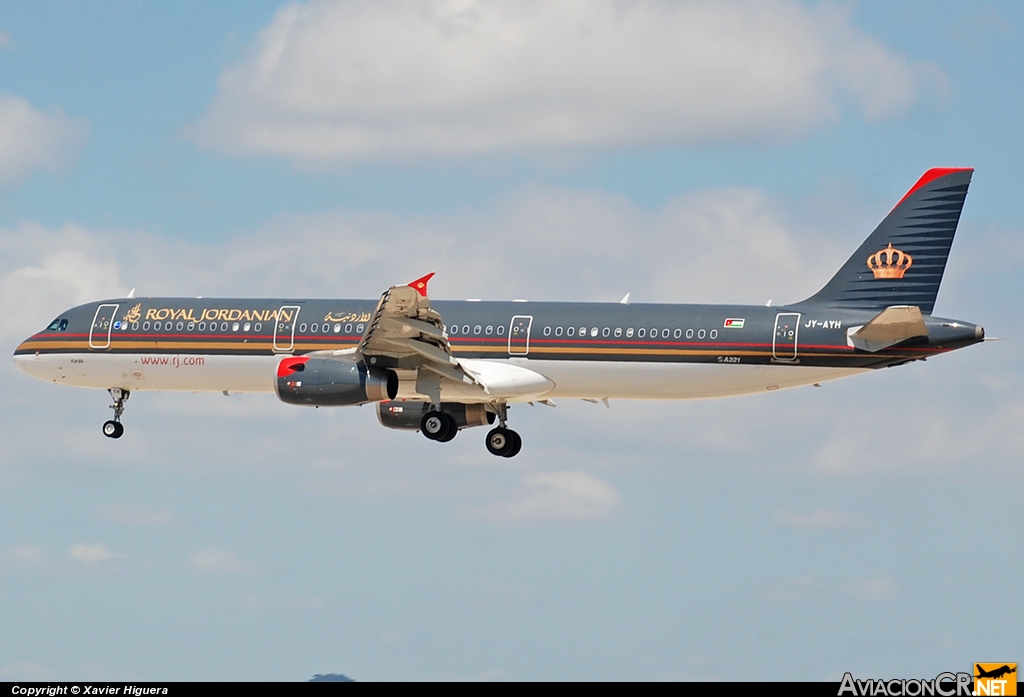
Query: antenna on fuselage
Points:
[625, 299]
[131, 293]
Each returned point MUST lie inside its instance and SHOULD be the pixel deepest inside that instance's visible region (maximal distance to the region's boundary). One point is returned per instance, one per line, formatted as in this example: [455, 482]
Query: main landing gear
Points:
[439, 426]
[501, 441]
[504, 442]
[113, 428]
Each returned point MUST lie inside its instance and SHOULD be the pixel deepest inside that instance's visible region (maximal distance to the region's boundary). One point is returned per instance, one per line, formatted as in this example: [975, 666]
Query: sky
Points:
[678, 151]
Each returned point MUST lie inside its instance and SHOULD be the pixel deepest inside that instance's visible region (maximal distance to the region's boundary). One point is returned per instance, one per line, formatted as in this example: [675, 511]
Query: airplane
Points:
[995, 673]
[441, 367]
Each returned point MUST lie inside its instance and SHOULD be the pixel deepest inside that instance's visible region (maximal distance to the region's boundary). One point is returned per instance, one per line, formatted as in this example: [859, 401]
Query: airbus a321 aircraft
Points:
[439, 367]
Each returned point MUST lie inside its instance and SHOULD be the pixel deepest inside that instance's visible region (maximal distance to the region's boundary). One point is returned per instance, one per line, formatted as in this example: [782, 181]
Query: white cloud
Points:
[27, 555]
[32, 139]
[217, 561]
[872, 590]
[37, 282]
[806, 588]
[128, 514]
[725, 245]
[92, 554]
[25, 671]
[556, 496]
[331, 80]
[818, 519]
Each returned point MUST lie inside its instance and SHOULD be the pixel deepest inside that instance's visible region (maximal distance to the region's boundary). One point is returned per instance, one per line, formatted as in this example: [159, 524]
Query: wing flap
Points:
[407, 333]
[889, 327]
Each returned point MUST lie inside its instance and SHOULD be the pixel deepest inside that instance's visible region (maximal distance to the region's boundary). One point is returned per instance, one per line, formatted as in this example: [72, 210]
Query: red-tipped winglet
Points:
[930, 176]
[420, 284]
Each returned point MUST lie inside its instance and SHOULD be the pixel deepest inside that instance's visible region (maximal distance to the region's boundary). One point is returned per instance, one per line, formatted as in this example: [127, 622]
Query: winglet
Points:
[420, 284]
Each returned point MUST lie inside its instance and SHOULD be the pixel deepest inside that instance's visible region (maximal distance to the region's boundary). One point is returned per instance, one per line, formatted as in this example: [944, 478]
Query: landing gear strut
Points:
[503, 441]
[113, 428]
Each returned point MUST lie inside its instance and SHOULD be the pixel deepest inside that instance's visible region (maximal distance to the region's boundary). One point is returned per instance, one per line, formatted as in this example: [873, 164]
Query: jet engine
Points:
[332, 382]
[409, 415]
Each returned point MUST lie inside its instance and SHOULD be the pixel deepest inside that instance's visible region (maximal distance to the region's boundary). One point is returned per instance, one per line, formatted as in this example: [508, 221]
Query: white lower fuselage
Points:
[571, 379]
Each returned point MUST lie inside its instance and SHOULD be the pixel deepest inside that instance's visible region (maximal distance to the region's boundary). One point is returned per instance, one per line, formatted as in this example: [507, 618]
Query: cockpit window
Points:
[58, 325]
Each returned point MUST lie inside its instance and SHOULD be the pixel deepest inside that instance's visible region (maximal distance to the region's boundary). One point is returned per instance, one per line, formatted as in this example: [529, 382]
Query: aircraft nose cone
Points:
[979, 333]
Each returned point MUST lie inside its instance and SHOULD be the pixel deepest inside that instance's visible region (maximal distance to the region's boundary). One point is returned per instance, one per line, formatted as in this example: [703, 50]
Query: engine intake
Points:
[332, 382]
[408, 415]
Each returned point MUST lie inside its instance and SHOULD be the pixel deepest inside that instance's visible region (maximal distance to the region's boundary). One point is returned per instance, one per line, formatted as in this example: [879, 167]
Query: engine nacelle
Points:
[332, 382]
[408, 415]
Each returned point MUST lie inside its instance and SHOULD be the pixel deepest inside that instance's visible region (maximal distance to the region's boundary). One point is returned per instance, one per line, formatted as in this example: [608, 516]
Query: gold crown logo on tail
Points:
[890, 262]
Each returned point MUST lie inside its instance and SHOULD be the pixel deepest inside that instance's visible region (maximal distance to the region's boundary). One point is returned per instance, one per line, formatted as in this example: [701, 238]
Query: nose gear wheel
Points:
[114, 428]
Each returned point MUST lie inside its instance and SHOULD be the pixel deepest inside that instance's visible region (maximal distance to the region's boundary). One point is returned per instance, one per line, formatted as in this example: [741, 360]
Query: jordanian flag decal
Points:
[733, 323]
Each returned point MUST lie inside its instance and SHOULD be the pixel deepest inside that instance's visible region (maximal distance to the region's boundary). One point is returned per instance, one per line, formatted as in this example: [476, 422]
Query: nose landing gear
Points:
[113, 428]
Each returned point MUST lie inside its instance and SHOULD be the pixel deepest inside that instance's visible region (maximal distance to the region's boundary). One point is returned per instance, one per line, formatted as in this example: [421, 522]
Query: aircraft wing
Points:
[888, 328]
[405, 332]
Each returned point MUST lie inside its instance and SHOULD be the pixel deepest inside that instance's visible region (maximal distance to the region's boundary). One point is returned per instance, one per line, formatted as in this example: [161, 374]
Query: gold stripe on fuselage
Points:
[267, 347]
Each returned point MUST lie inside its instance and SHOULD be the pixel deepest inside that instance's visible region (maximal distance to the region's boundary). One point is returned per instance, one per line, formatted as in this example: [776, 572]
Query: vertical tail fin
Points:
[902, 261]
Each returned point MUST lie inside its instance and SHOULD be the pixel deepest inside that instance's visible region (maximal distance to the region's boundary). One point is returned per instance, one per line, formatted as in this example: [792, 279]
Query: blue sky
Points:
[790, 536]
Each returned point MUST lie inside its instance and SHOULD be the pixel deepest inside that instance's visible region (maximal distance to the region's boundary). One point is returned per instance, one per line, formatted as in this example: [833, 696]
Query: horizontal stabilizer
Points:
[889, 327]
